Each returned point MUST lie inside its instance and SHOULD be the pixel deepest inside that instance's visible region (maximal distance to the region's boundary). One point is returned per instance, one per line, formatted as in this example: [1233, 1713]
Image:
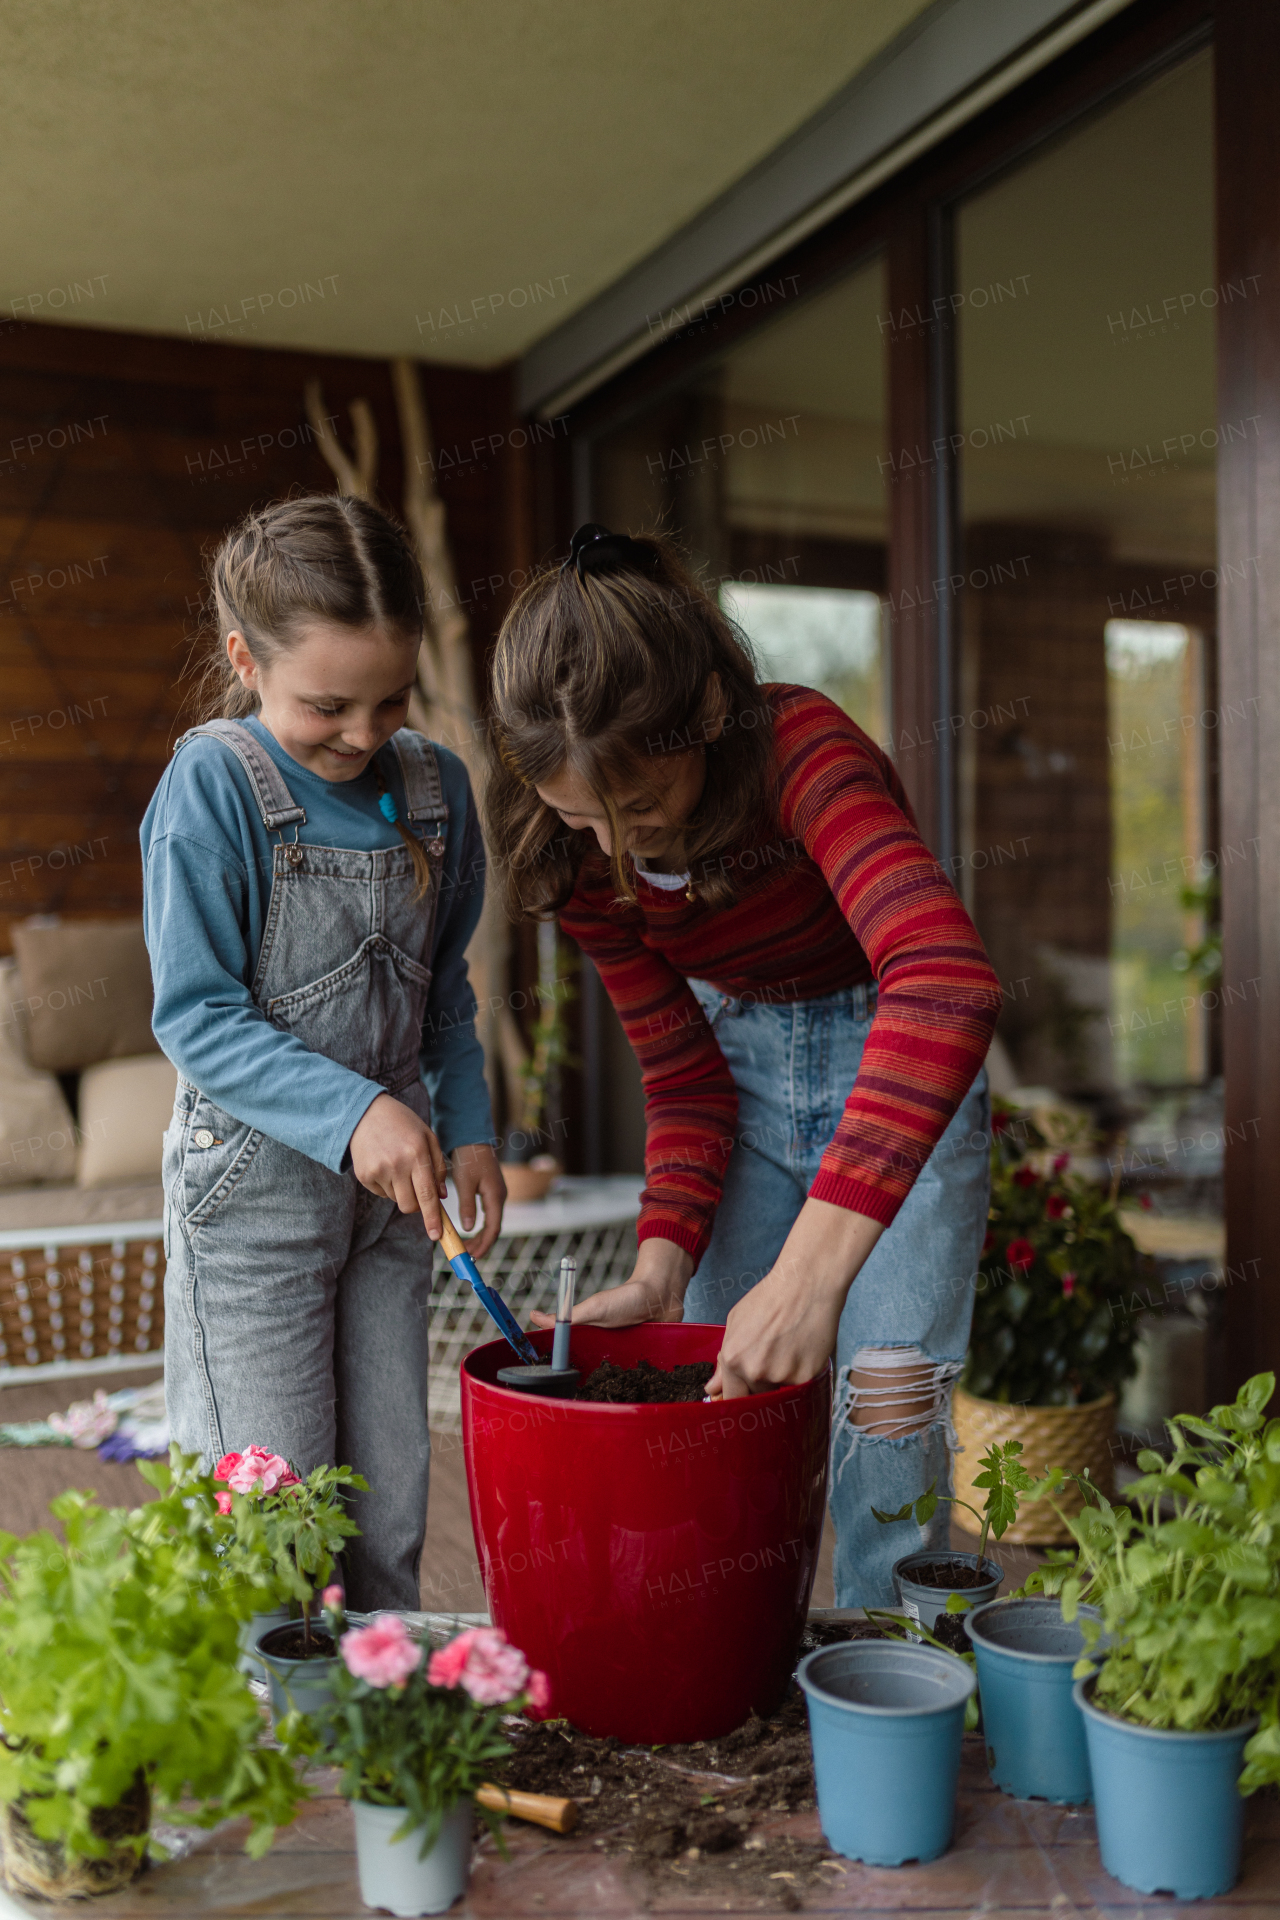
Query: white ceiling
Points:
[385, 176]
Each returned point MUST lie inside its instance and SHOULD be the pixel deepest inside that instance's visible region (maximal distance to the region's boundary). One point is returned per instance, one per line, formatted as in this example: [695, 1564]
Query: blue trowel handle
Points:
[493, 1303]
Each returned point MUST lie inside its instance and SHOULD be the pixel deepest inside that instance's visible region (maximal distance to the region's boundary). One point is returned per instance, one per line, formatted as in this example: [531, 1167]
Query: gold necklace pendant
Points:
[689, 894]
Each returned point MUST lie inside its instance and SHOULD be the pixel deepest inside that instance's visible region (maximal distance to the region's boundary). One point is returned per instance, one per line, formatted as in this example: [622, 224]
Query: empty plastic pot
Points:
[925, 1603]
[654, 1561]
[886, 1721]
[1034, 1730]
[1170, 1815]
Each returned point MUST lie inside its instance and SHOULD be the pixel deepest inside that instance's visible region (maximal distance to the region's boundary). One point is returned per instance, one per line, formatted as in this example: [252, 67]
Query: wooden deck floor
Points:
[1017, 1858]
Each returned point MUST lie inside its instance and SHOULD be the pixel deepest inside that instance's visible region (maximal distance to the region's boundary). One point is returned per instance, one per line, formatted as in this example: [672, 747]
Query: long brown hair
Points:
[603, 673]
[317, 556]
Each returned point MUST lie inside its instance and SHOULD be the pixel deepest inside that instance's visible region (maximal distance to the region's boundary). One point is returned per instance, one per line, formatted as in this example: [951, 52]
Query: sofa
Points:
[85, 1097]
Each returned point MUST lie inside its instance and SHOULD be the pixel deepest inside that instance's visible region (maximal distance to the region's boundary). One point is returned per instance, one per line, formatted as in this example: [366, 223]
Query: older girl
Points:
[314, 871]
[808, 1000]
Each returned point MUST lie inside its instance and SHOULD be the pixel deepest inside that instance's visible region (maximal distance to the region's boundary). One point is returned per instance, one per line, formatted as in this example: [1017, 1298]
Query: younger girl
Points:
[314, 871]
[808, 1000]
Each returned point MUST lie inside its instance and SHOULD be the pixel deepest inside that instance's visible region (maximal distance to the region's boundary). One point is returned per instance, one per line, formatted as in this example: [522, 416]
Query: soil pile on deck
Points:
[696, 1814]
[646, 1384]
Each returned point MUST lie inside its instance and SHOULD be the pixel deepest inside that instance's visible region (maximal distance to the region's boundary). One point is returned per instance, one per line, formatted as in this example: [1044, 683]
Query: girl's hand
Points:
[784, 1331]
[396, 1156]
[655, 1291]
[476, 1171]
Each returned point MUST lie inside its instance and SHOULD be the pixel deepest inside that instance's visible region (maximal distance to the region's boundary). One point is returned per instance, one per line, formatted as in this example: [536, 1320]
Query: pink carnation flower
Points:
[539, 1691]
[224, 1502]
[256, 1470]
[382, 1653]
[332, 1597]
[485, 1663]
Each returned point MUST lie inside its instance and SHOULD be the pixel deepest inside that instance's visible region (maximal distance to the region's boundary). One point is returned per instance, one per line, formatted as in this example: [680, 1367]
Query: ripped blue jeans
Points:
[905, 1326]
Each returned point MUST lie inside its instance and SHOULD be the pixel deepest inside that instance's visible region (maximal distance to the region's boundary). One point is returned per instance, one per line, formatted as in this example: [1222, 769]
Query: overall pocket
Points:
[217, 1150]
[365, 1015]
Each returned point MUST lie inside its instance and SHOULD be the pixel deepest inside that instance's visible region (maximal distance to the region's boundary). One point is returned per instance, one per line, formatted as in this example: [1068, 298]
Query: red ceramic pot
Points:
[655, 1562]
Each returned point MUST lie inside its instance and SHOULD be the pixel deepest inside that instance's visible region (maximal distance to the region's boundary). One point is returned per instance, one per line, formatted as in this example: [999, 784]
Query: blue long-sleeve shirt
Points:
[207, 884]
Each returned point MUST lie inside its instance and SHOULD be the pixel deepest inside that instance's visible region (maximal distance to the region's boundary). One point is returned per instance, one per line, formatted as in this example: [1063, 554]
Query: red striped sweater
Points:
[865, 900]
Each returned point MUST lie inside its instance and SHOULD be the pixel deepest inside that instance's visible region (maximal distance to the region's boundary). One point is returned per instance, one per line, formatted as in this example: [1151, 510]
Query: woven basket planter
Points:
[1069, 1437]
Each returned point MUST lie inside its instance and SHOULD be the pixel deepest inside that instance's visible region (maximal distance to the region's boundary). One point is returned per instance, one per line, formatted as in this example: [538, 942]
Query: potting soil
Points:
[290, 1643]
[697, 1813]
[646, 1384]
[947, 1573]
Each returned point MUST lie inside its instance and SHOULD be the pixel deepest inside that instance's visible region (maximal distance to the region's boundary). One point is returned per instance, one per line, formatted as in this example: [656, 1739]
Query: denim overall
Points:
[296, 1303]
[911, 1304]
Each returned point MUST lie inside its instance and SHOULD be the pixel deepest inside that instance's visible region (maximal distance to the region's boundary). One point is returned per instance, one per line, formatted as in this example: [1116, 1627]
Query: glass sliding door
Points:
[769, 468]
[1087, 432]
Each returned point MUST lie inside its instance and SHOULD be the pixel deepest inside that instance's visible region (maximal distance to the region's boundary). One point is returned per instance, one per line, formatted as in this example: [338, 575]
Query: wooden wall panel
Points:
[122, 460]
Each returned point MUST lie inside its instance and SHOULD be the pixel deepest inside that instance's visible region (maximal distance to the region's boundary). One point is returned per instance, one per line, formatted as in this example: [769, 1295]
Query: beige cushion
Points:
[58, 1206]
[86, 991]
[37, 1133]
[125, 1106]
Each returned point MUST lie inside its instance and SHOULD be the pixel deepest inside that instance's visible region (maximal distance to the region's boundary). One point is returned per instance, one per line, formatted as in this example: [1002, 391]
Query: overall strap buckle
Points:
[423, 790]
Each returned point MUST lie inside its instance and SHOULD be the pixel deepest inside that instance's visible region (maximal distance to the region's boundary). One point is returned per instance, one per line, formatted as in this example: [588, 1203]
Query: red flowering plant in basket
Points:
[279, 1533]
[1052, 1319]
[413, 1729]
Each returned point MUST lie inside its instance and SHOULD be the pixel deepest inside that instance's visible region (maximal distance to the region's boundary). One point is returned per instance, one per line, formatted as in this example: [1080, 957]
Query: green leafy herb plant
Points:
[119, 1684]
[1187, 1579]
[1006, 1480]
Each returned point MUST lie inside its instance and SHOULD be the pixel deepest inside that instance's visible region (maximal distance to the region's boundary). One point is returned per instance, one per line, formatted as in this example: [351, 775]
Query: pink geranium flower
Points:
[333, 1598]
[256, 1470]
[224, 1501]
[382, 1653]
[483, 1660]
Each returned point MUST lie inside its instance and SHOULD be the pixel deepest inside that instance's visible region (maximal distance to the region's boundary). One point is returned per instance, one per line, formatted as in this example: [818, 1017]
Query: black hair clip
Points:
[593, 549]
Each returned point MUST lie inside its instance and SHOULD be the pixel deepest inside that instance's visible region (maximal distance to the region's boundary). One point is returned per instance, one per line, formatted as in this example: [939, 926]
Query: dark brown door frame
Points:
[1247, 79]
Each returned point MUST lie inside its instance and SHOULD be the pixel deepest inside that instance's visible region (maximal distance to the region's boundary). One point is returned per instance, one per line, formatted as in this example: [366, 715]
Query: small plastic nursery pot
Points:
[306, 1685]
[391, 1874]
[654, 1561]
[1034, 1730]
[924, 1603]
[252, 1631]
[886, 1721]
[1170, 1815]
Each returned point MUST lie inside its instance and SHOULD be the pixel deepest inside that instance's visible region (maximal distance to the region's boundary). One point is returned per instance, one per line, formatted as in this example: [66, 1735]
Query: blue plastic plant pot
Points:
[1034, 1730]
[886, 1720]
[1170, 1815]
[250, 1632]
[925, 1603]
[305, 1686]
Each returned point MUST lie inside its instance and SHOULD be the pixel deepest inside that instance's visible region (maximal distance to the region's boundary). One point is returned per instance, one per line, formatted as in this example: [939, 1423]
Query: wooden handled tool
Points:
[543, 1809]
[494, 1304]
